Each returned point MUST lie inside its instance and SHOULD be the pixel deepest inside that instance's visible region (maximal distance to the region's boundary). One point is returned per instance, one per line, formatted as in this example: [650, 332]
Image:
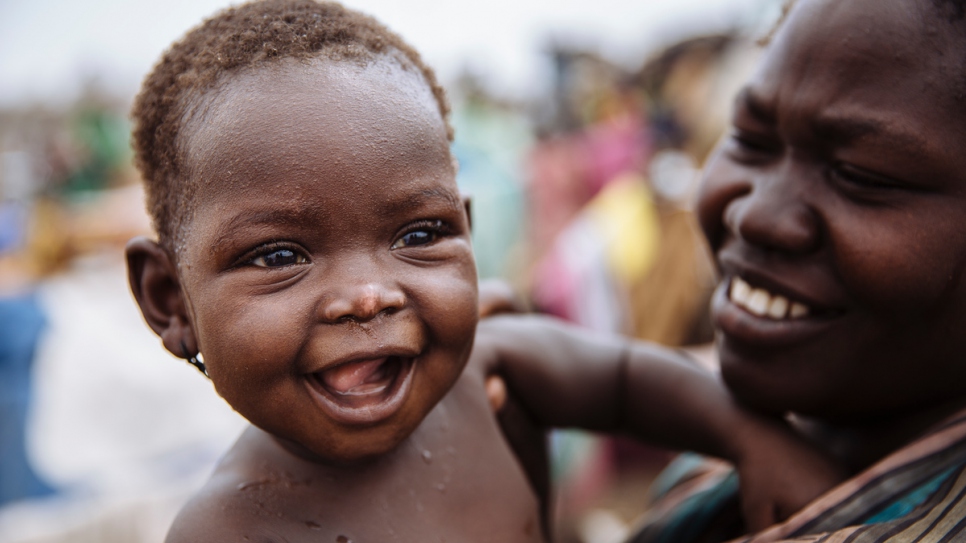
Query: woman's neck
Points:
[859, 444]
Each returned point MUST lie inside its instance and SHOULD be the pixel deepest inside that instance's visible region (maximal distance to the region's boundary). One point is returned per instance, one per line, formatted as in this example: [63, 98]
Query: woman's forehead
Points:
[888, 55]
[922, 28]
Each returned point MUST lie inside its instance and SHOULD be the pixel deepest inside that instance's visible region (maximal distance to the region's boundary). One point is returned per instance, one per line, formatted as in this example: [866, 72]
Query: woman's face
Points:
[836, 210]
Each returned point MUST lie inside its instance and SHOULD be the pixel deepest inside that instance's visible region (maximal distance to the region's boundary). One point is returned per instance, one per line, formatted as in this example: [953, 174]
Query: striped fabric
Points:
[916, 494]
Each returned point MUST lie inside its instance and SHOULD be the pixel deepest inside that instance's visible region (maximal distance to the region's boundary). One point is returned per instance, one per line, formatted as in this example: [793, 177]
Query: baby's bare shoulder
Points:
[255, 494]
[217, 513]
[271, 507]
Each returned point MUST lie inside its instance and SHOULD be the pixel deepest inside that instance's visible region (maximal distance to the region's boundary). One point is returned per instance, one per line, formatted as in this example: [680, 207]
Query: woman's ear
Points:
[154, 281]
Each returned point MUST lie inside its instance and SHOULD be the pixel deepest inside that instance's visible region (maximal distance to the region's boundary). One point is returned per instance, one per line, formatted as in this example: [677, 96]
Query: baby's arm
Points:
[566, 376]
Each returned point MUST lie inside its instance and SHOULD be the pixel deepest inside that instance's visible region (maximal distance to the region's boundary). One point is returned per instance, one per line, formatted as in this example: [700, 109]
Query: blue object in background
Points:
[13, 221]
[21, 322]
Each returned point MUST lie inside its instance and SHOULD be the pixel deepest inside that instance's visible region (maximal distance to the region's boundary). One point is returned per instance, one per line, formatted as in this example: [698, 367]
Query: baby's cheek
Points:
[457, 316]
[250, 342]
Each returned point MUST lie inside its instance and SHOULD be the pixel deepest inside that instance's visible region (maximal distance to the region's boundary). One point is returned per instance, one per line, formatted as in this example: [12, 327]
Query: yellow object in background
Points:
[655, 255]
[625, 215]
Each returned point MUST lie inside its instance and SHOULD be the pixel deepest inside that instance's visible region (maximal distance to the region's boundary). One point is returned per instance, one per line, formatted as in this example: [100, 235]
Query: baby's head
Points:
[837, 212]
[312, 241]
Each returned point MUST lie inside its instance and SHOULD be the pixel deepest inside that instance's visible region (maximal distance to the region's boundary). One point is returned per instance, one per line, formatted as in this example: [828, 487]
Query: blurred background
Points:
[580, 129]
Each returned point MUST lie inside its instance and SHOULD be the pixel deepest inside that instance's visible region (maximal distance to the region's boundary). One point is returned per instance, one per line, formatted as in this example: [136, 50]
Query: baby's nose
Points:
[362, 302]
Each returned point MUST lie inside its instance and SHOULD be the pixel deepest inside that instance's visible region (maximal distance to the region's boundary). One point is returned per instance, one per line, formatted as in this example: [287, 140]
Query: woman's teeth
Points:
[762, 303]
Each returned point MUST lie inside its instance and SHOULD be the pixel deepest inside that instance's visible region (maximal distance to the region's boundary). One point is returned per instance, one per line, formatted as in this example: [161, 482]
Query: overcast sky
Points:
[47, 47]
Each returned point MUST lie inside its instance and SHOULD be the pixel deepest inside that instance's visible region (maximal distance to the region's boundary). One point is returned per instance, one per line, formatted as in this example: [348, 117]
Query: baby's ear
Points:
[154, 281]
[467, 200]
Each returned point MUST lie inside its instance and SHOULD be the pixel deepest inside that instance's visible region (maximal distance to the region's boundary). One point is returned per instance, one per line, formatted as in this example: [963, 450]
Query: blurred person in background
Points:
[45, 162]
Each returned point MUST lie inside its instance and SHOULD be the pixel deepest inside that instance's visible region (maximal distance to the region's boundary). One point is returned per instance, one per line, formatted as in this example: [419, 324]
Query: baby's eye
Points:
[420, 234]
[278, 258]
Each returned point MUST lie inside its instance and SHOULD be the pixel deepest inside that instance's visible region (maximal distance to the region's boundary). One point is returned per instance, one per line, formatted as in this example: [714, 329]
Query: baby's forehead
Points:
[337, 94]
[326, 114]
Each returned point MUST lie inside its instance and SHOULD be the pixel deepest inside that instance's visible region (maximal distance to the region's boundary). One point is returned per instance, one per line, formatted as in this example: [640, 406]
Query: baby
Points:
[312, 244]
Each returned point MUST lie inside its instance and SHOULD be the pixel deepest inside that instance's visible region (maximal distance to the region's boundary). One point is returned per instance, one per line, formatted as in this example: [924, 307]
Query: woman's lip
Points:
[822, 295]
[363, 409]
[736, 323]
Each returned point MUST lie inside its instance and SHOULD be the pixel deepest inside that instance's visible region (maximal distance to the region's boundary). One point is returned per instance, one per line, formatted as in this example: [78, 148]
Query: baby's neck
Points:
[278, 454]
[300, 454]
[859, 444]
[455, 461]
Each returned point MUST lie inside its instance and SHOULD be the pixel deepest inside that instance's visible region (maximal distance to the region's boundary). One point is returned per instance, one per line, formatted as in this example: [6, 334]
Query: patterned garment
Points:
[916, 494]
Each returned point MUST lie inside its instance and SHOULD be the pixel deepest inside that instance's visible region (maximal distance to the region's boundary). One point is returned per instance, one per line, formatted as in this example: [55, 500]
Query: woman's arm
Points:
[566, 376]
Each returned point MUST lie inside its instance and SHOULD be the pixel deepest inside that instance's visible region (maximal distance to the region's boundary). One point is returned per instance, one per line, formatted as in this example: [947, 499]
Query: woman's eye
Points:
[752, 144]
[861, 178]
[278, 258]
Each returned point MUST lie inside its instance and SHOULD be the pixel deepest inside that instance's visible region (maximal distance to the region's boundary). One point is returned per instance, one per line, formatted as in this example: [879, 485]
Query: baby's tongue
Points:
[347, 377]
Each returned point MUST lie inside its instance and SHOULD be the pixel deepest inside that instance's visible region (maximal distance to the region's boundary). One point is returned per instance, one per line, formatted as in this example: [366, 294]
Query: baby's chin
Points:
[369, 408]
[348, 449]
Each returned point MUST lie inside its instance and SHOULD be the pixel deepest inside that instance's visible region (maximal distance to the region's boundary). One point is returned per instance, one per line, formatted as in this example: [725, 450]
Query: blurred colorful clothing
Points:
[21, 323]
[917, 493]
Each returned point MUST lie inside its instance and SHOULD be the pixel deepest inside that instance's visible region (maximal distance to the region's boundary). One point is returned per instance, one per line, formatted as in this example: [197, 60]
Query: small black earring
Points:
[193, 360]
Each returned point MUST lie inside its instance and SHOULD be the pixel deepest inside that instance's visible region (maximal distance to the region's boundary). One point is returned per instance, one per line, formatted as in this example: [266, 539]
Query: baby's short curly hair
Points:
[241, 37]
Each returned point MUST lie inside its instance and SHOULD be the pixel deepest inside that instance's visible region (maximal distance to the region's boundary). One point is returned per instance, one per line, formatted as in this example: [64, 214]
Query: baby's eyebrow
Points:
[292, 217]
[422, 197]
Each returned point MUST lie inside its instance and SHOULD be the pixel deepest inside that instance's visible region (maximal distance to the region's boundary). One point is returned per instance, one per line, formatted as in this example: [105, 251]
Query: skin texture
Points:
[843, 186]
[329, 234]
[327, 279]
[566, 376]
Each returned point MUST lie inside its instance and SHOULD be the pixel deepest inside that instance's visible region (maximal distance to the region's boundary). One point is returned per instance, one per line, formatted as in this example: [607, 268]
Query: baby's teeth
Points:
[758, 302]
[799, 310]
[740, 291]
[778, 307]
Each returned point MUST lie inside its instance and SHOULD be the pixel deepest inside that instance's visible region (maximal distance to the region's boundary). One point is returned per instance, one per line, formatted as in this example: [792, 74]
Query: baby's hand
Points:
[496, 297]
[496, 392]
[780, 474]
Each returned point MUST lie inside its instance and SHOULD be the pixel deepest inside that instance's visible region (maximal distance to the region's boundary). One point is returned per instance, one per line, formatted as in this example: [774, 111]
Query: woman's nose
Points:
[775, 215]
[361, 301]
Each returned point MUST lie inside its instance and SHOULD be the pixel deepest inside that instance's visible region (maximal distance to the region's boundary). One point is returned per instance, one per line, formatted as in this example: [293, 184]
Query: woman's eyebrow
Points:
[755, 105]
[843, 130]
[838, 128]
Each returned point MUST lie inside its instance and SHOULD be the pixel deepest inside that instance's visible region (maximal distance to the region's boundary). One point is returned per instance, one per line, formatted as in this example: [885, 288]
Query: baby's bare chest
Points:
[454, 480]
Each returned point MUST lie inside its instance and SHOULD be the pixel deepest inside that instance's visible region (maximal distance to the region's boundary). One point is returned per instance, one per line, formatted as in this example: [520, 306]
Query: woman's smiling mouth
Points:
[757, 315]
[762, 303]
[363, 391]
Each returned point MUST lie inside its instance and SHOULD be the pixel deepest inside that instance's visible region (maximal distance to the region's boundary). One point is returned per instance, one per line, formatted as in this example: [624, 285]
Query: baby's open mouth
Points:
[360, 378]
[364, 391]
